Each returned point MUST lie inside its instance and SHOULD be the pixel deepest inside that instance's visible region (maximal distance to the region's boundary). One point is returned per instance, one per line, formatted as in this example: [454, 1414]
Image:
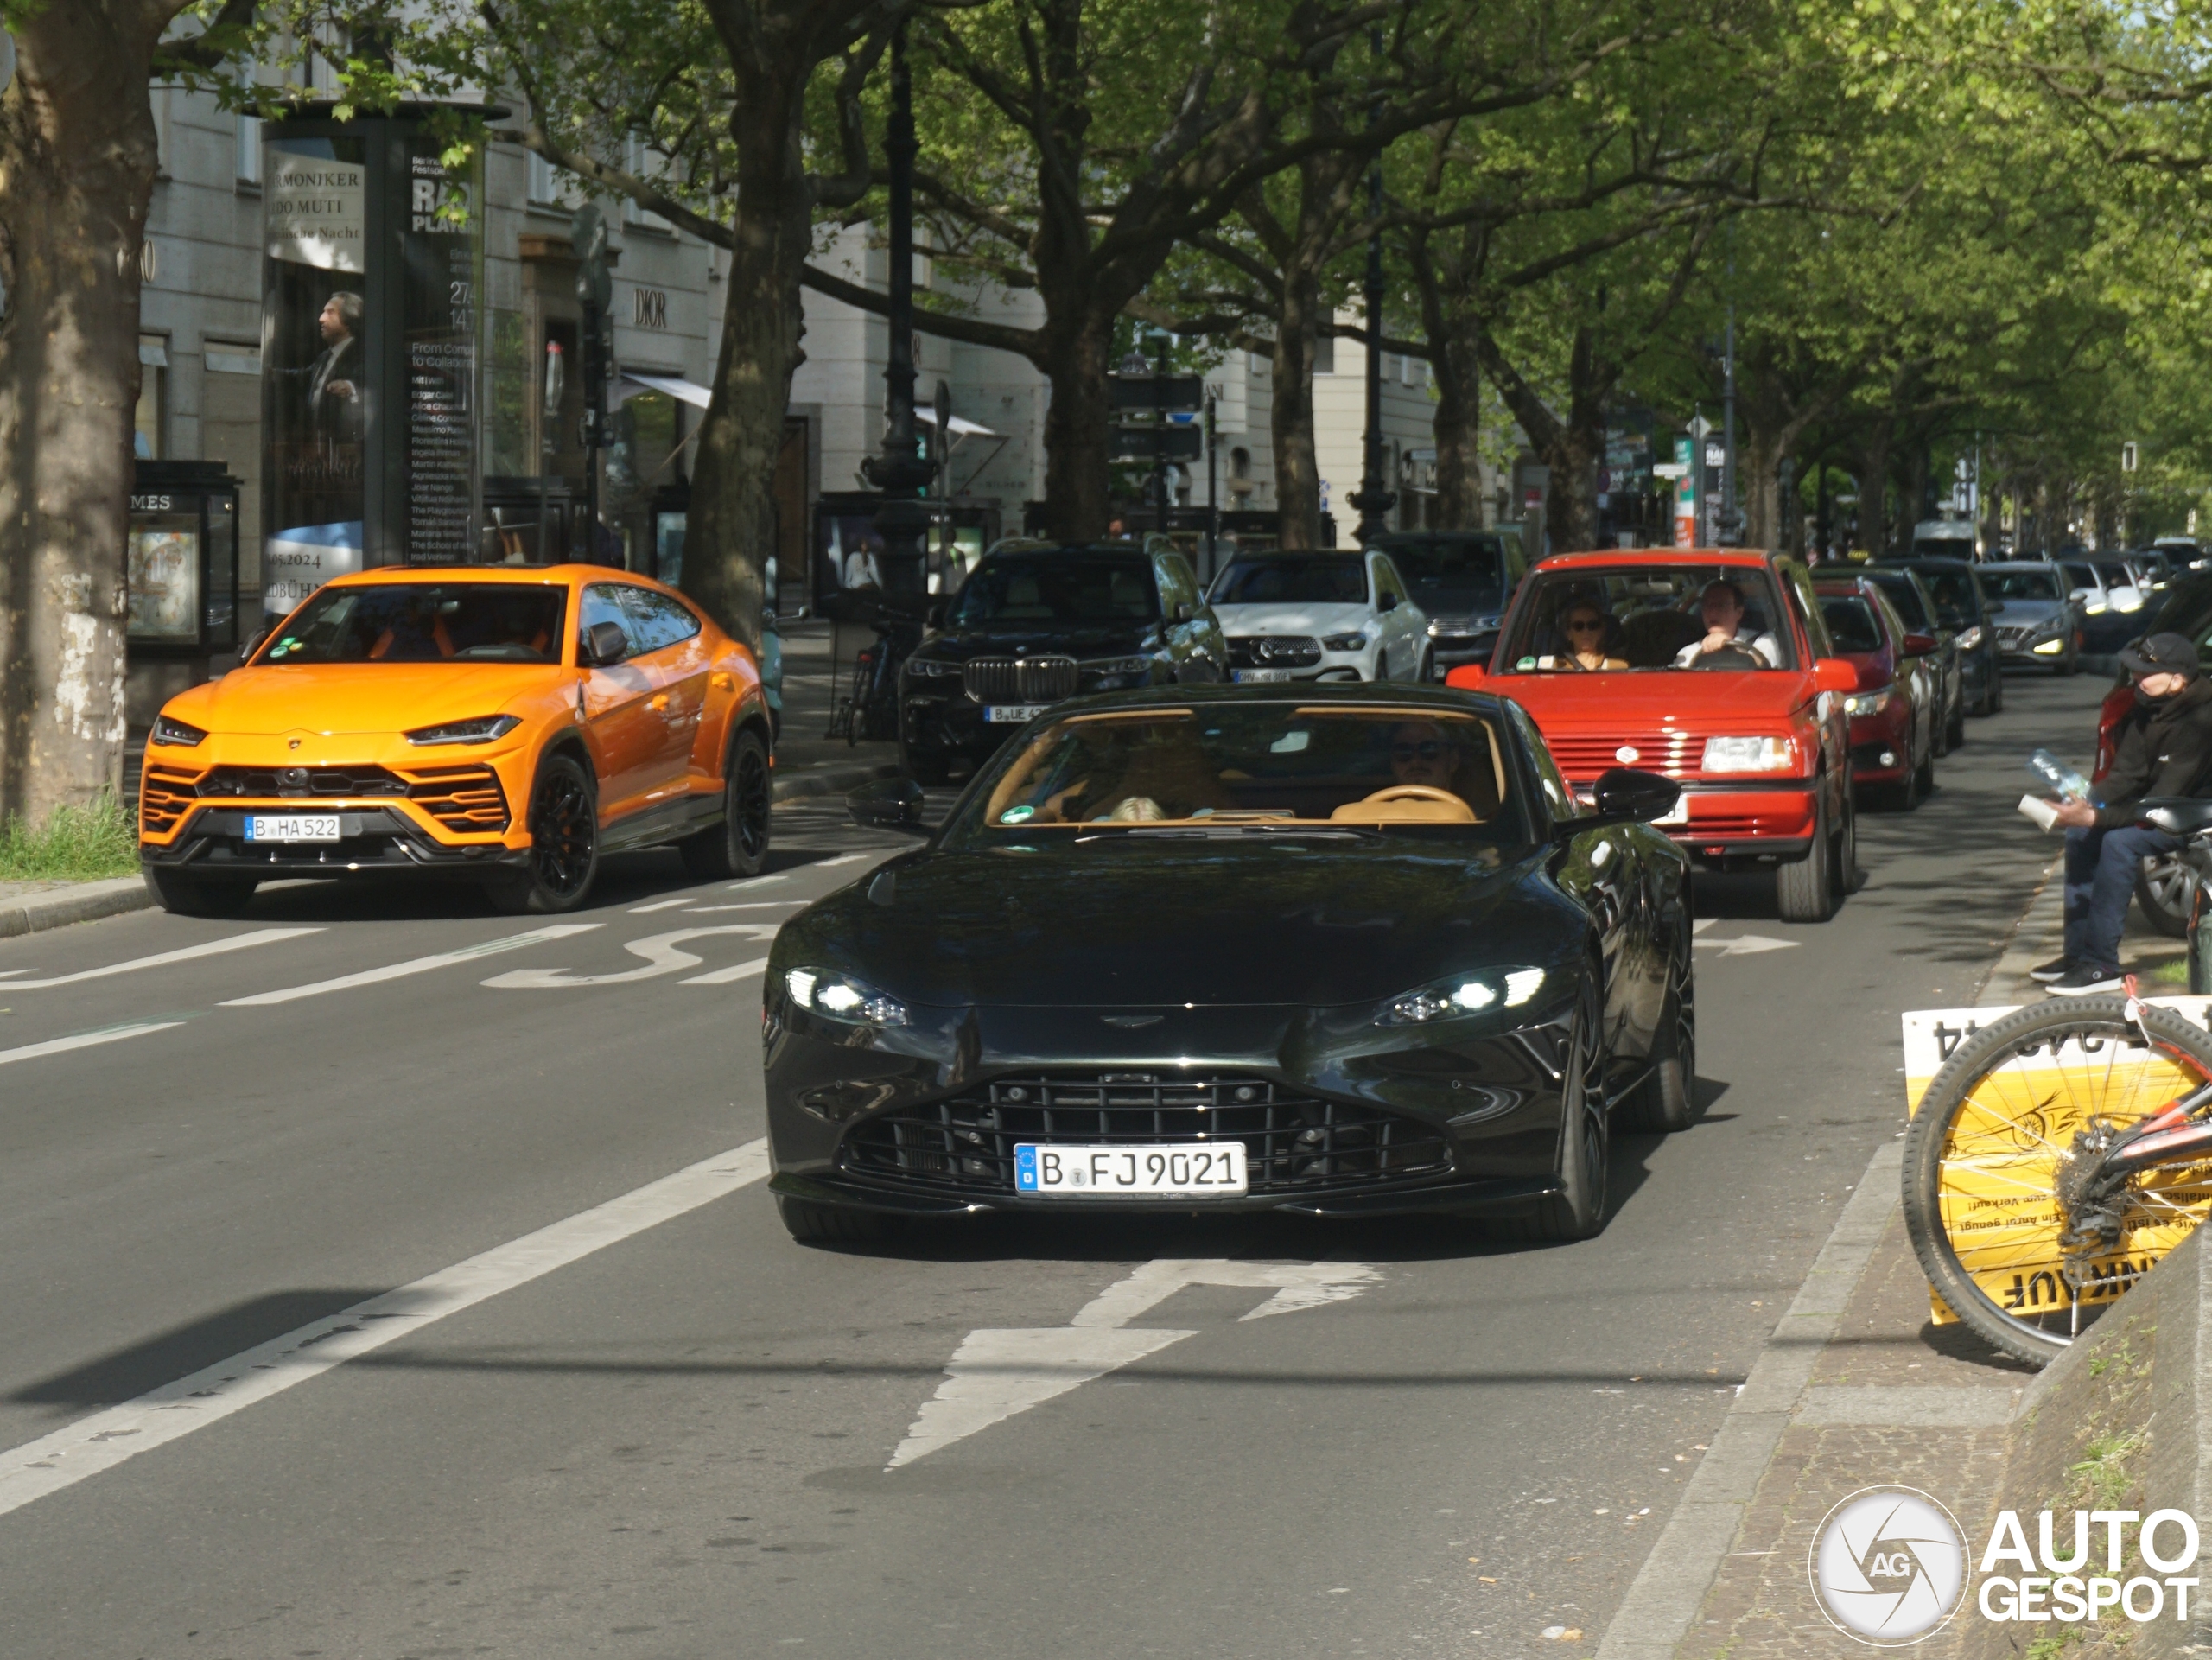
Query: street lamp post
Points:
[901, 471]
[1373, 501]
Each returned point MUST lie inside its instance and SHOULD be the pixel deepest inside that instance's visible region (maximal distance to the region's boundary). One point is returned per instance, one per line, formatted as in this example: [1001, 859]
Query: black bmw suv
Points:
[1033, 626]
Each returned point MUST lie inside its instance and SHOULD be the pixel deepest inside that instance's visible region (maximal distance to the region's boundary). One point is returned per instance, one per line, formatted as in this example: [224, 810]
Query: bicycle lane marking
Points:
[160, 959]
[660, 952]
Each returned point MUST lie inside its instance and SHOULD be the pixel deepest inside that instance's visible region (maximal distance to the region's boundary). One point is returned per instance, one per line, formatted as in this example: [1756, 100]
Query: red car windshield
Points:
[1600, 618]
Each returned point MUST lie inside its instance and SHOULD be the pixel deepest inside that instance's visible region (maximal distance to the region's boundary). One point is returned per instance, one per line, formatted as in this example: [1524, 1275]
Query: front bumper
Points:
[1733, 820]
[1338, 1117]
[212, 842]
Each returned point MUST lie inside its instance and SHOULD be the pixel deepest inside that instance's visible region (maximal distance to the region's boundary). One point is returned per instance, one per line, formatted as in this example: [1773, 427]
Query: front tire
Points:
[1667, 1100]
[1578, 1210]
[564, 843]
[1804, 889]
[739, 845]
[2164, 889]
[194, 896]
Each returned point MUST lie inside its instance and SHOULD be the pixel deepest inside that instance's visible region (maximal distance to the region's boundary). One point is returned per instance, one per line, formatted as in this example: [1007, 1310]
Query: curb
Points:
[832, 781]
[85, 902]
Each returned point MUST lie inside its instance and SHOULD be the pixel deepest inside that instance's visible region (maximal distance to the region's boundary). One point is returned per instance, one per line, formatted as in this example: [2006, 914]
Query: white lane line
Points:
[212, 948]
[725, 977]
[662, 905]
[159, 1416]
[84, 1041]
[660, 952]
[757, 904]
[1702, 924]
[415, 965]
[997, 1374]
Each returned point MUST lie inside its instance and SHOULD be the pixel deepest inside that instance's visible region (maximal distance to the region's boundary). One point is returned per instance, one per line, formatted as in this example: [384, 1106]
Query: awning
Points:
[634, 381]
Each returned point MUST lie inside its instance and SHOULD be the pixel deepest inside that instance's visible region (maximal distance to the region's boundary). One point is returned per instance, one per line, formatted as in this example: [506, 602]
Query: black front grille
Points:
[1020, 680]
[266, 782]
[1293, 1143]
[1272, 651]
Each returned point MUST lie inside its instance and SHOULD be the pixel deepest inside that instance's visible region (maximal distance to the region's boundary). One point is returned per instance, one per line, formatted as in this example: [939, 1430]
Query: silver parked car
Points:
[2040, 623]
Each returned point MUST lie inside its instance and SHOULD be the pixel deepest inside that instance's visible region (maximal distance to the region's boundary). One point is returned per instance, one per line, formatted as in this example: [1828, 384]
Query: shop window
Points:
[246, 169]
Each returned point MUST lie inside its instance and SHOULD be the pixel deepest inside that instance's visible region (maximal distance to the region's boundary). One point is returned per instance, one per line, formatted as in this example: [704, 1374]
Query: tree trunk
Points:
[1758, 482]
[1298, 469]
[1458, 423]
[77, 159]
[1076, 453]
[1571, 501]
[1874, 490]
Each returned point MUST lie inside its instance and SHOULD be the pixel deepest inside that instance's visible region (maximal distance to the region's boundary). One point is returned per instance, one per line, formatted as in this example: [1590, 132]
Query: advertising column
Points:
[1685, 494]
[438, 251]
[315, 383]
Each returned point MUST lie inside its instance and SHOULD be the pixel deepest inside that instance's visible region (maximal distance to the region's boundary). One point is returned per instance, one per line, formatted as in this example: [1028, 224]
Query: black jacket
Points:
[2161, 748]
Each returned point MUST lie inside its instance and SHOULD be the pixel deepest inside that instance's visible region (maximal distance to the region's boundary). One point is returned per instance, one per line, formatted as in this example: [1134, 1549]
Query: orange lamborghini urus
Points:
[510, 726]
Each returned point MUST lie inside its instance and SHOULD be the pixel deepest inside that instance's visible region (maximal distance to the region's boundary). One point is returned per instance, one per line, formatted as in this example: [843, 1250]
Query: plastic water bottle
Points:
[2065, 783]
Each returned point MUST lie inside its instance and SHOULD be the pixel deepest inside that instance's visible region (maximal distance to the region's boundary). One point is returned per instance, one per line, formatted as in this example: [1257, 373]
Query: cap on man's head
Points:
[2162, 654]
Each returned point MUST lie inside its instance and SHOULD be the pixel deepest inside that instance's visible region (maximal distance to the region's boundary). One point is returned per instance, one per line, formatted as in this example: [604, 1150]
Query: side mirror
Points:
[1628, 792]
[1919, 644]
[1185, 610]
[1994, 607]
[1467, 676]
[892, 804]
[935, 615]
[255, 640]
[1835, 674]
[1387, 602]
[602, 644]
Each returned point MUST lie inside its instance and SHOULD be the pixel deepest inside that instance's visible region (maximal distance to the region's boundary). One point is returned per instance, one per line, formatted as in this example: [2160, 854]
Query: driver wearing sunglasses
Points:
[1422, 752]
[1586, 629]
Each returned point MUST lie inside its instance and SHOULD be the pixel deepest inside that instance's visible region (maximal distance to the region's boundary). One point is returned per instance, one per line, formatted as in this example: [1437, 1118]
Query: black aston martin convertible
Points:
[1341, 949]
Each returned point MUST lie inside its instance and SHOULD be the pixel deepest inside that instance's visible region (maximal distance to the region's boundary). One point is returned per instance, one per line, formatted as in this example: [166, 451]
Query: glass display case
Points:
[181, 560]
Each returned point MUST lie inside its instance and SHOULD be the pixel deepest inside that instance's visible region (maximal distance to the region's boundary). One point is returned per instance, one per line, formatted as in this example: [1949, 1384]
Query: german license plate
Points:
[1677, 815]
[291, 827]
[1261, 676]
[1016, 712]
[1066, 1172]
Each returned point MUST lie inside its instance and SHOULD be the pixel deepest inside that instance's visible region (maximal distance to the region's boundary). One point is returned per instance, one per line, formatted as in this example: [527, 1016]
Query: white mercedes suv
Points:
[1319, 614]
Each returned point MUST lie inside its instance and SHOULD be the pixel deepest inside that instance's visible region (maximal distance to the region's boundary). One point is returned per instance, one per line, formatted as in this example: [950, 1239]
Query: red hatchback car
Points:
[1713, 666]
[1893, 714]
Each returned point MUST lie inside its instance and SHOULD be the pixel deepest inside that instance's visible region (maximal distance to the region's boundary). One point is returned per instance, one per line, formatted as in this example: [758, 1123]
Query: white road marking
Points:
[415, 965]
[84, 1041]
[159, 1416]
[162, 959]
[724, 976]
[762, 881]
[662, 905]
[995, 1375]
[660, 952]
[1749, 945]
[757, 904]
[1702, 924]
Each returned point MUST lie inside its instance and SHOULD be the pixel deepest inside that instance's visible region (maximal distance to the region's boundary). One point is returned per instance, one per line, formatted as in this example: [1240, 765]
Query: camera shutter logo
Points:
[1888, 1566]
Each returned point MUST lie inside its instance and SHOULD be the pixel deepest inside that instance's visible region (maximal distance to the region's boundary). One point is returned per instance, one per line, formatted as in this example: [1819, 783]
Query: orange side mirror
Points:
[1467, 676]
[1835, 674]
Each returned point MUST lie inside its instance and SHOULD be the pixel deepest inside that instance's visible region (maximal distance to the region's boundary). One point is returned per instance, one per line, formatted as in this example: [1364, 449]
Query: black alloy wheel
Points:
[2164, 891]
[564, 843]
[194, 896]
[1577, 1210]
[738, 846]
[1667, 1099]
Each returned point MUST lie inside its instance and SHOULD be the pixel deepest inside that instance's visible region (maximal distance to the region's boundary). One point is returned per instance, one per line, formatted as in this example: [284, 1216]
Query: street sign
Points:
[1699, 426]
[2128, 458]
[1182, 392]
[587, 237]
[1167, 443]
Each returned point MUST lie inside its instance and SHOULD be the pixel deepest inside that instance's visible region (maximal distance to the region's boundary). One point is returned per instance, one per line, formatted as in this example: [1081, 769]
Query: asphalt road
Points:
[663, 1430]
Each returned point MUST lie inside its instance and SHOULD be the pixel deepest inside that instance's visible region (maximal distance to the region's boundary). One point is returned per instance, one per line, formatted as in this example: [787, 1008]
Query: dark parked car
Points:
[1962, 607]
[1908, 595]
[1462, 581]
[1033, 625]
[1342, 948]
[2042, 623]
[1893, 724]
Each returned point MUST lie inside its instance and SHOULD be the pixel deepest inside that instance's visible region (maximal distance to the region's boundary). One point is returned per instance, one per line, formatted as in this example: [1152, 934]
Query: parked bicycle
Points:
[868, 707]
[2064, 1149]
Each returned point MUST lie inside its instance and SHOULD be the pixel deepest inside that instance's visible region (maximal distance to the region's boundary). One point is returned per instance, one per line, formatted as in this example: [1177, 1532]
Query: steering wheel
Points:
[1414, 792]
[1731, 655]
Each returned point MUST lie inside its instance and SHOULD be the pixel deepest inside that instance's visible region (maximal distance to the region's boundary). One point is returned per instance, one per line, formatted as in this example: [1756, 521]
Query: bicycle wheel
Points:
[1984, 1152]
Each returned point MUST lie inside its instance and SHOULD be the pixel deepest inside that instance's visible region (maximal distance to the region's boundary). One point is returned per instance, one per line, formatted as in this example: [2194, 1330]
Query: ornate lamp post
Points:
[901, 471]
[1375, 499]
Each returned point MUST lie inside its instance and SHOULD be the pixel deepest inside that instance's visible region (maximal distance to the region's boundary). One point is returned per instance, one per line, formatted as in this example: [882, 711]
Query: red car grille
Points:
[1720, 824]
[1582, 757]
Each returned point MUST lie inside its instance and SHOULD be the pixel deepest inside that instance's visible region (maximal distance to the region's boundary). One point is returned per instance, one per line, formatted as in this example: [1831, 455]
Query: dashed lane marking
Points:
[161, 959]
[415, 965]
[106, 1439]
[84, 1040]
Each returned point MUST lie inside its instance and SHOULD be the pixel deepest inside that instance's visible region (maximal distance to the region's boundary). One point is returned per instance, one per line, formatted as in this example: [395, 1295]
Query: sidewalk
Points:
[808, 763]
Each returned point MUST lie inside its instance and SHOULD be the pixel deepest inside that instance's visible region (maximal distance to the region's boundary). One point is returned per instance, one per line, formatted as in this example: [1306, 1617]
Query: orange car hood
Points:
[357, 697]
[1687, 700]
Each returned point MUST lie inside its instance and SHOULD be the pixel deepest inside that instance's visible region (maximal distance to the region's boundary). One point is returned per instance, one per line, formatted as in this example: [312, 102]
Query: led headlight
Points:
[1464, 994]
[2048, 647]
[1749, 755]
[1971, 639]
[2094, 609]
[1343, 642]
[1115, 666]
[2130, 602]
[482, 730]
[176, 733]
[930, 668]
[840, 997]
[1867, 703]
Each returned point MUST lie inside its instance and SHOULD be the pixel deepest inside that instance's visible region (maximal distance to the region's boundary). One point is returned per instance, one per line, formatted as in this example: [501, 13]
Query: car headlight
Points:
[840, 997]
[2132, 602]
[1463, 994]
[1749, 755]
[482, 730]
[1115, 666]
[2094, 609]
[1971, 639]
[168, 731]
[1343, 642]
[930, 668]
[1866, 702]
[2048, 647]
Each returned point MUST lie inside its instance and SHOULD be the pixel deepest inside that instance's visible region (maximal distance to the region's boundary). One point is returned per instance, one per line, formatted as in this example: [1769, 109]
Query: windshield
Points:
[1653, 616]
[1255, 766]
[2080, 575]
[1059, 587]
[2021, 585]
[1850, 621]
[1294, 579]
[1906, 598]
[2115, 574]
[1944, 547]
[425, 622]
[1956, 602]
[1456, 570]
